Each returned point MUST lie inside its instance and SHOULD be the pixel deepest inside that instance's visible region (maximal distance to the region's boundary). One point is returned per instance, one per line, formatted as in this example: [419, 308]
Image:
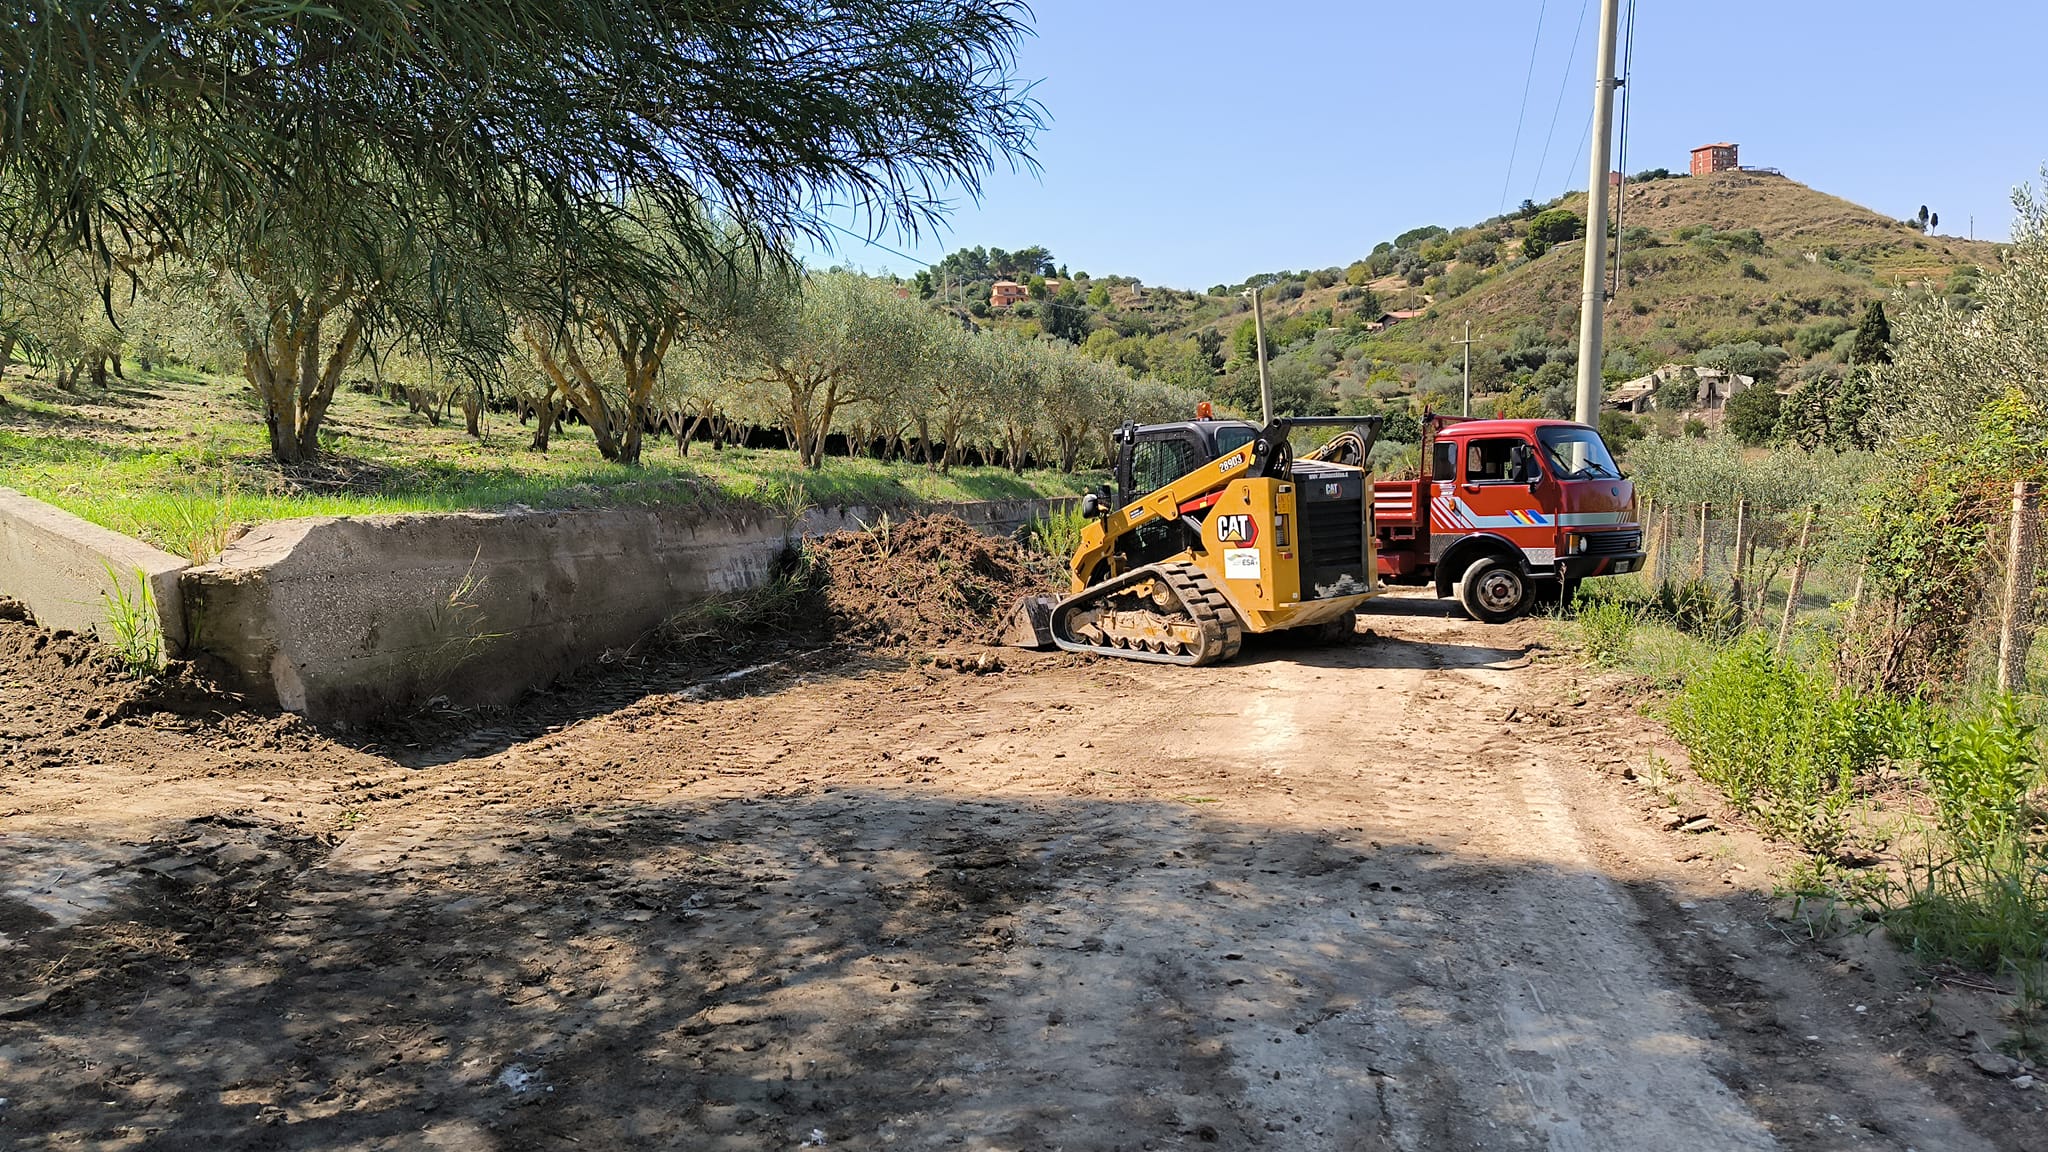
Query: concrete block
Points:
[59, 566]
[348, 618]
[345, 618]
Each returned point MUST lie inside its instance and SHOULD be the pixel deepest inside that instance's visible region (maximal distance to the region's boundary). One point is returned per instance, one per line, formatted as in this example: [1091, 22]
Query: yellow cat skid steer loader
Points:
[1217, 530]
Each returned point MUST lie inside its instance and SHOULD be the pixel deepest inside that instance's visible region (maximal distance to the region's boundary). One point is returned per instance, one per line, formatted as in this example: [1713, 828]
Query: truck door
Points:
[1446, 527]
[1497, 493]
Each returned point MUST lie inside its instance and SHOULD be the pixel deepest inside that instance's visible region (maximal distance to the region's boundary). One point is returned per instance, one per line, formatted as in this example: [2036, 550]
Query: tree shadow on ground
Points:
[846, 967]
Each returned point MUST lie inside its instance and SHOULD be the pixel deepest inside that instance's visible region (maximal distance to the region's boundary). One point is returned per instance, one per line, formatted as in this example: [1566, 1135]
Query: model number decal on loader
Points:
[1230, 463]
[1237, 528]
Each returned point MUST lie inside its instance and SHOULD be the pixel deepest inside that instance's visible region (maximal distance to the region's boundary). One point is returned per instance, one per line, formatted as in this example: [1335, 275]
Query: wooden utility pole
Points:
[1798, 583]
[2016, 622]
[1259, 337]
[1660, 535]
[1593, 285]
[1467, 342]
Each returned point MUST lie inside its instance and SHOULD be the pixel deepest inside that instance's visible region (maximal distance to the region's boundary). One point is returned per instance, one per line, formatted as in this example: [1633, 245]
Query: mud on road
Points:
[1390, 894]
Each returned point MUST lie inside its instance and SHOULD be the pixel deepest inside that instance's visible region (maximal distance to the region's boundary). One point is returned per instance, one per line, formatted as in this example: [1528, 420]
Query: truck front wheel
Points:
[1494, 591]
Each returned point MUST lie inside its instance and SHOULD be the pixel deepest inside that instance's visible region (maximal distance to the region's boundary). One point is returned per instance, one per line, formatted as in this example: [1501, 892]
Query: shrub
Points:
[1752, 415]
[1980, 896]
[1782, 741]
[1697, 608]
[1058, 534]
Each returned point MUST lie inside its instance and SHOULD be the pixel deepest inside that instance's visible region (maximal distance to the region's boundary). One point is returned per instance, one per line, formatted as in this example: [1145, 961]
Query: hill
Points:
[1709, 264]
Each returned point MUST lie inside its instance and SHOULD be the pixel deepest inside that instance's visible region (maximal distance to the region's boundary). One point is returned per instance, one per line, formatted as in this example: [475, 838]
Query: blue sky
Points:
[1196, 143]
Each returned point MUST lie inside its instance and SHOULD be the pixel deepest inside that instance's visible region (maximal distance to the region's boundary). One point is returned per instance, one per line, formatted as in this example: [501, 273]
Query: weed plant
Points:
[787, 608]
[1782, 741]
[1979, 893]
[133, 631]
[1607, 630]
[1058, 534]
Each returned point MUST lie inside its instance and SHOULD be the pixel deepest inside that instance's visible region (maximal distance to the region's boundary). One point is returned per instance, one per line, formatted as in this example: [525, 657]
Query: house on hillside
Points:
[1710, 158]
[1389, 319]
[1006, 293]
[1716, 385]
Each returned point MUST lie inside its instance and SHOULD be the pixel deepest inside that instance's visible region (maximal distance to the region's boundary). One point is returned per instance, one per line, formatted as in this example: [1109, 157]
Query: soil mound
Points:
[53, 679]
[926, 582]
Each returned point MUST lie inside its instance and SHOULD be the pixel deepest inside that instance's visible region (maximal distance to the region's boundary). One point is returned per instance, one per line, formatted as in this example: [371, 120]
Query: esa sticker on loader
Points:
[1241, 564]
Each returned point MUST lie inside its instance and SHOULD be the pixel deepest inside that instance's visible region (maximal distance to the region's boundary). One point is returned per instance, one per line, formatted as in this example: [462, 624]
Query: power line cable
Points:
[1515, 146]
[1585, 135]
[1628, 67]
[1563, 83]
[873, 244]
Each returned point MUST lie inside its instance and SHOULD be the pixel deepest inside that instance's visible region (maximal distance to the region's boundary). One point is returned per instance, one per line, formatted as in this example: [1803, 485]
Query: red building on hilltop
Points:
[1710, 158]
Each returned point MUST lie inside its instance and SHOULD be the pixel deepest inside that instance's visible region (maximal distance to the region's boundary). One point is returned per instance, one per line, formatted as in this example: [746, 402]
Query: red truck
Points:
[1507, 513]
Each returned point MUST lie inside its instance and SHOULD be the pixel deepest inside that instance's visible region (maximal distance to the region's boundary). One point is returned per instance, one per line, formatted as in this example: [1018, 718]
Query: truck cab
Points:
[1507, 513]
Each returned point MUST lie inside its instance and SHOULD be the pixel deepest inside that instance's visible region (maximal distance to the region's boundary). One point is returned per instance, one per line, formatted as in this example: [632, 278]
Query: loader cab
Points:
[1151, 456]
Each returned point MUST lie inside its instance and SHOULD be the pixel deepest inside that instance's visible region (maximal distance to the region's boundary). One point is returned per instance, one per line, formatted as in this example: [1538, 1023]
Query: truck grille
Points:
[1614, 543]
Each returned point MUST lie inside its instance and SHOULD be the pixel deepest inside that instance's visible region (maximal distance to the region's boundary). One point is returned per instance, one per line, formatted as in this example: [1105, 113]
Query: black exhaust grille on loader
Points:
[1331, 508]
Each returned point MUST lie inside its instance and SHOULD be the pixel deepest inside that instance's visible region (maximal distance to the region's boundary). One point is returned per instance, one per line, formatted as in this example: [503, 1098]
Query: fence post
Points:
[1660, 538]
[2016, 624]
[1699, 564]
[1798, 582]
[1735, 581]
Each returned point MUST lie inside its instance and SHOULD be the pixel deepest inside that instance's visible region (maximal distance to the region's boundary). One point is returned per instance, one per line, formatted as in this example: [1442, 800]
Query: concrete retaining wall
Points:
[65, 570]
[345, 618]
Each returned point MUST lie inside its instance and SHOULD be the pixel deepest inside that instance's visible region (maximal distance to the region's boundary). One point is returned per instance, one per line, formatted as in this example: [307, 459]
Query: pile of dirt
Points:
[925, 582]
[51, 681]
[57, 684]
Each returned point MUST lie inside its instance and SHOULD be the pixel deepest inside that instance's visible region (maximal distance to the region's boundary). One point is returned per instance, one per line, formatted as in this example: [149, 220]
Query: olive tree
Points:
[835, 340]
[360, 164]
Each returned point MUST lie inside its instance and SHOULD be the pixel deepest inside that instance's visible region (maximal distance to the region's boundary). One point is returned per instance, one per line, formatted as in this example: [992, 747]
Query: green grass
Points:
[178, 459]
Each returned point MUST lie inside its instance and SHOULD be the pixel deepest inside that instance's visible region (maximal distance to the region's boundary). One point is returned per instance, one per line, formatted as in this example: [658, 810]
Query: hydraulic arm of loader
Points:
[1266, 455]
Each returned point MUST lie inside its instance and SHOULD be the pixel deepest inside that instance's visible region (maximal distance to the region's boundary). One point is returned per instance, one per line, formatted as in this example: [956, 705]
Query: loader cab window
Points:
[1232, 437]
[1157, 463]
[1494, 461]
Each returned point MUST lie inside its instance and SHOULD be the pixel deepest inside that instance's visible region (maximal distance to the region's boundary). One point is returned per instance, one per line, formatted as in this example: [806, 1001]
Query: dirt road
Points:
[1388, 895]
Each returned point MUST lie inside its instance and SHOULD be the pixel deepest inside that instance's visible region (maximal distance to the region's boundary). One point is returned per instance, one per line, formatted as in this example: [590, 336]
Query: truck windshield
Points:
[1577, 453]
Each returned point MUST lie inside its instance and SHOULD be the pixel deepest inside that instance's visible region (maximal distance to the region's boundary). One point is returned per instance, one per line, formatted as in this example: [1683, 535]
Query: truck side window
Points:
[1444, 461]
[1157, 463]
[1491, 461]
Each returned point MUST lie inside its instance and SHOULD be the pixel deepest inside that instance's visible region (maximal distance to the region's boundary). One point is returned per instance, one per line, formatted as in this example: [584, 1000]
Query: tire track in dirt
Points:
[1321, 898]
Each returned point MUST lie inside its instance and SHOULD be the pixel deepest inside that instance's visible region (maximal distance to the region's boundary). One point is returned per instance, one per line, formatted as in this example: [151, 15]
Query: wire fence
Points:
[1788, 571]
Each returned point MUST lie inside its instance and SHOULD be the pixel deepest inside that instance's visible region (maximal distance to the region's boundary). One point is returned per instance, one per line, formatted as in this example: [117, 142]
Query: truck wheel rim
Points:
[1499, 591]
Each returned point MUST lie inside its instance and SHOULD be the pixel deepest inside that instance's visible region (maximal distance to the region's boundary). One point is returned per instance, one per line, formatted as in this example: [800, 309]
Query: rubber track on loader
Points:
[1204, 604]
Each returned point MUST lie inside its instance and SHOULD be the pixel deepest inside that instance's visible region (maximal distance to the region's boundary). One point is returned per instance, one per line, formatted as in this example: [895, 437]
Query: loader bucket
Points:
[1030, 623]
